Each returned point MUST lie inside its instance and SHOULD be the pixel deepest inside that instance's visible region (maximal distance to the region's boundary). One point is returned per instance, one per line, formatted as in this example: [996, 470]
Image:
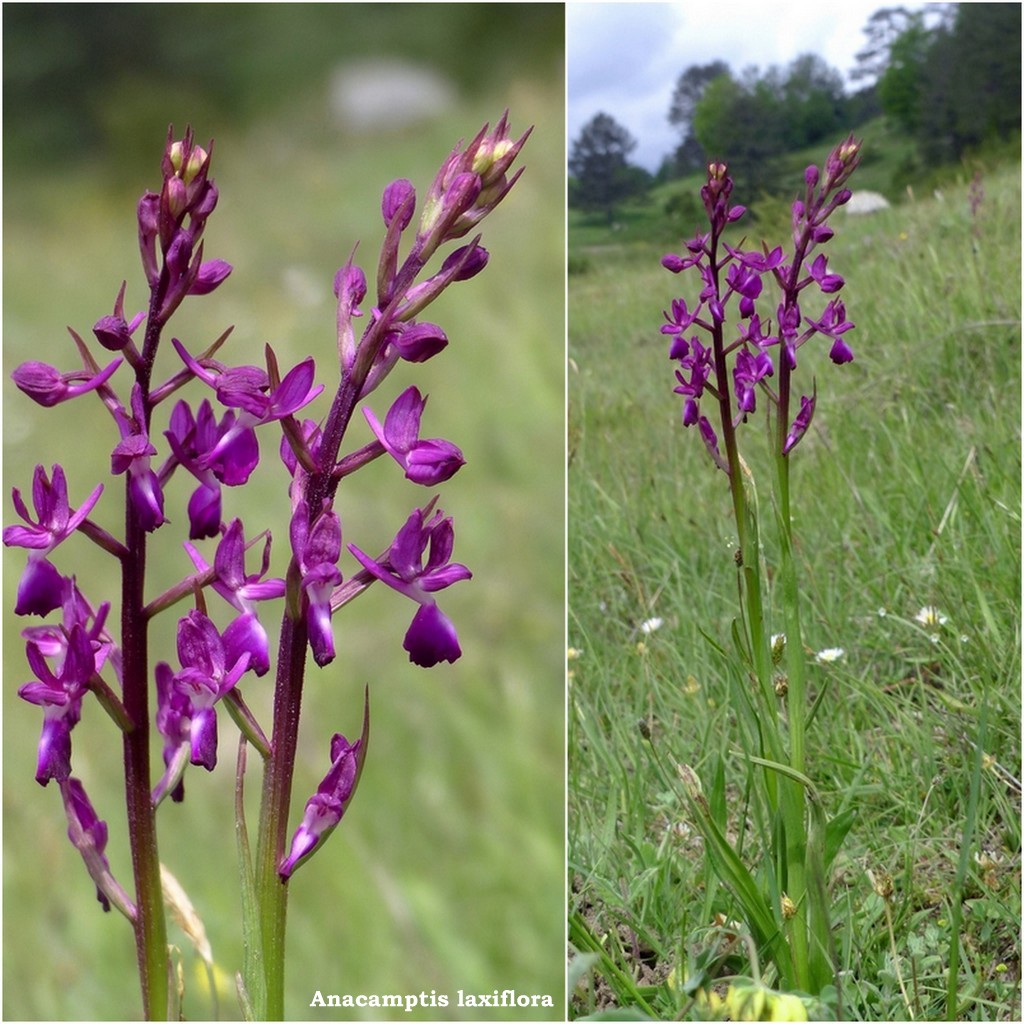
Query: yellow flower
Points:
[746, 1002]
[785, 1006]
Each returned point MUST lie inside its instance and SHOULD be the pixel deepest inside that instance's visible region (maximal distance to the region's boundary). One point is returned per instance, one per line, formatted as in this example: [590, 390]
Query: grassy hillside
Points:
[672, 209]
[906, 497]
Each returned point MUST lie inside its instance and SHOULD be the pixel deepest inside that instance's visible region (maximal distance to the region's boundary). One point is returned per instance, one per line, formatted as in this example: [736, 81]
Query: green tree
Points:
[689, 90]
[884, 27]
[598, 162]
[813, 101]
[690, 86]
[740, 123]
[901, 87]
[987, 60]
[956, 84]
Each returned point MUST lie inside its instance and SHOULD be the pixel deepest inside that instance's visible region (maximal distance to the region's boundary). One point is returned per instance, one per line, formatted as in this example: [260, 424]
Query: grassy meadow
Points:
[448, 871]
[906, 497]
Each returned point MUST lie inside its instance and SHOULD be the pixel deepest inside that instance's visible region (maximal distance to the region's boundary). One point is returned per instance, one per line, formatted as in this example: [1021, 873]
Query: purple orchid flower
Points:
[697, 361]
[51, 639]
[42, 588]
[174, 723]
[747, 371]
[833, 324]
[800, 423]
[132, 456]
[214, 453]
[330, 801]
[752, 332]
[190, 438]
[747, 283]
[789, 325]
[819, 272]
[247, 388]
[204, 678]
[710, 439]
[246, 633]
[676, 264]
[89, 835]
[428, 462]
[460, 265]
[316, 550]
[60, 696]
[431, 637]
[680, 319]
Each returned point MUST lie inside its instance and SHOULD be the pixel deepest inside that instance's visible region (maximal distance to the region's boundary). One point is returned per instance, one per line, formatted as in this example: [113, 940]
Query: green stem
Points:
[271, 890]
[793, 809]
[810, 928]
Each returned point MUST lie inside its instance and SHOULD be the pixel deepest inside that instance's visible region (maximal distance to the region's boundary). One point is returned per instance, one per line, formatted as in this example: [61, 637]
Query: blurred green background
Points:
[448, 872]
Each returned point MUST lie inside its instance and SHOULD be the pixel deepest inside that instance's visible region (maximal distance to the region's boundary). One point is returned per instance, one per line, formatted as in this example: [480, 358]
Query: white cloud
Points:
[623, 59]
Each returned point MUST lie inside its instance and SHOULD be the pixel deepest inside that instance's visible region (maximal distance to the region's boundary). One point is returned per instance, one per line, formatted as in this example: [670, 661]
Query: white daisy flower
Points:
[829, 654]
[929, 616]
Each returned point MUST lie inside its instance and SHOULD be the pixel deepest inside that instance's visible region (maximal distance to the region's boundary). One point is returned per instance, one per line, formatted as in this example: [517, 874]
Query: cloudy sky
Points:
[624, 58]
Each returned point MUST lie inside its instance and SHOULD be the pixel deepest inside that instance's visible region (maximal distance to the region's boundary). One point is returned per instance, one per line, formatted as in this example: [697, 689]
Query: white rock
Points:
[866, 202]
[382, 94]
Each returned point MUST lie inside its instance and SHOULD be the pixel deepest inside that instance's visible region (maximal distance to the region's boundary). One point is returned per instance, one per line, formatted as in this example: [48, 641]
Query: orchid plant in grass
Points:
[739, 344]
[178, 410]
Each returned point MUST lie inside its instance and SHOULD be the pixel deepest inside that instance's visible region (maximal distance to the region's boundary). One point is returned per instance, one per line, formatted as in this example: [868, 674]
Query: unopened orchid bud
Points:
[175, 195]
[211, 274]
[399, 200]
[439, 215]
[416, 343]
[468, 265]
[350, 287]
[114, 332]
[48, 386]
[187, 160]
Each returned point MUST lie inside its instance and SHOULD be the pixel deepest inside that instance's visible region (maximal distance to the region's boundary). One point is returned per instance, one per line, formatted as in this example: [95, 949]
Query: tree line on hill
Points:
[948, 76]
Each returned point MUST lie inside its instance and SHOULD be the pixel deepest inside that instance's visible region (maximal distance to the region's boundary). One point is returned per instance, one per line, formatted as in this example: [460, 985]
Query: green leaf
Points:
[251, 982]
[836, 830]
